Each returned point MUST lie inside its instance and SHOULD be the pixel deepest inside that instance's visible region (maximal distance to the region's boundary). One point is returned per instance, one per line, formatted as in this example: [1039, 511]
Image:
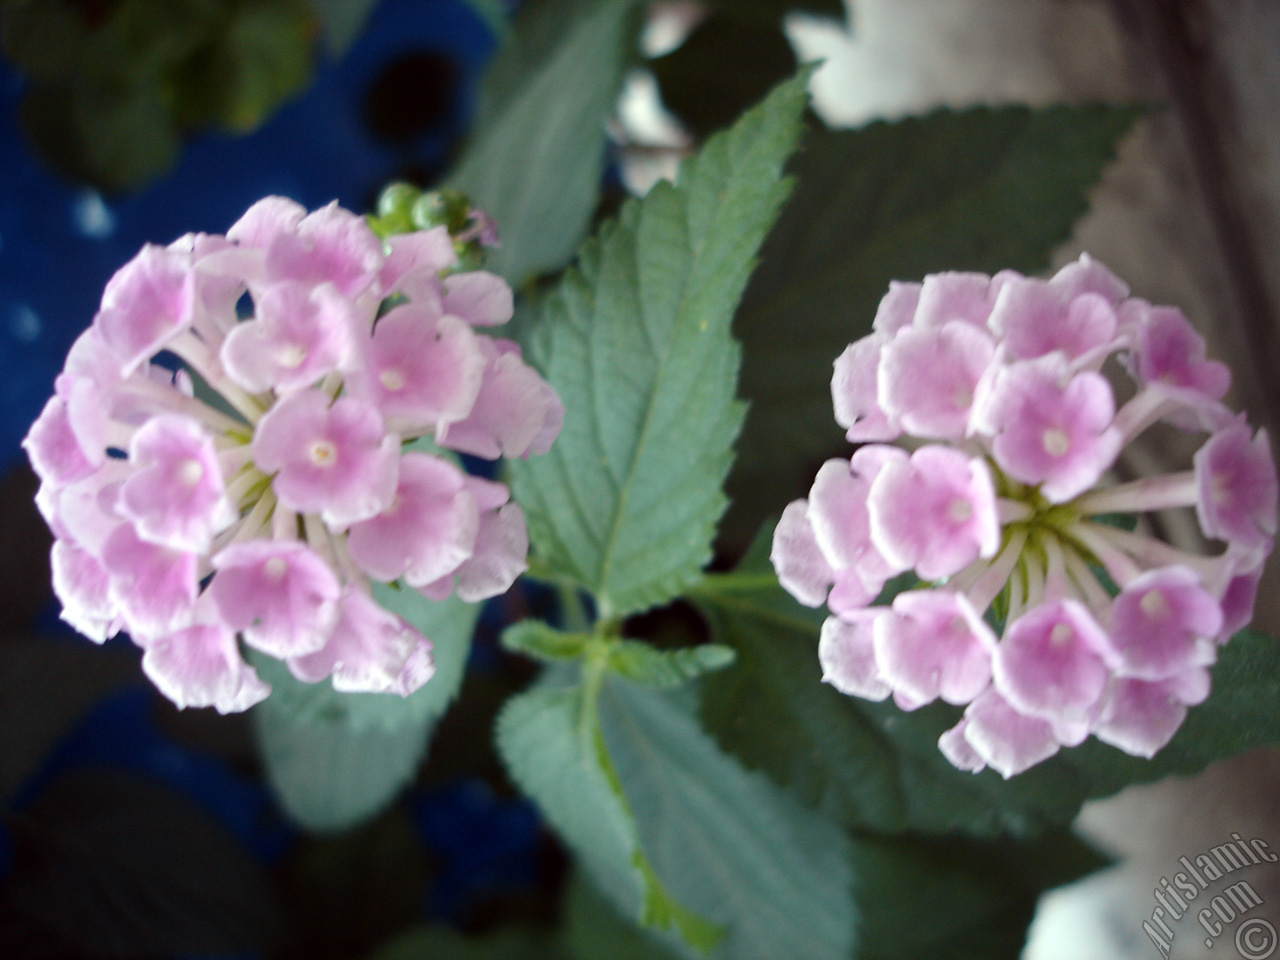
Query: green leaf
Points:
[336, 759]
[979, 190]
[593, 929]
[537, 639]
[538, 151]
[260, 59]
[651, 667]
[725, 65]
[551, 742]
[115, 139]
[728, 843]
[636, 340]
[44, 40]
[874, 766]
[980, 896]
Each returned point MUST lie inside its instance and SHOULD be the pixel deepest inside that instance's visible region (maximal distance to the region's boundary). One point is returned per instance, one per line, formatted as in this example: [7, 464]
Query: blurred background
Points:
[131, 829]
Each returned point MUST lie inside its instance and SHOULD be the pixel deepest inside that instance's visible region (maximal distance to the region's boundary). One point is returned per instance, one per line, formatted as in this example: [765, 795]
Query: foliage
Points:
[980, 189]
[115, 86]
[626, 503]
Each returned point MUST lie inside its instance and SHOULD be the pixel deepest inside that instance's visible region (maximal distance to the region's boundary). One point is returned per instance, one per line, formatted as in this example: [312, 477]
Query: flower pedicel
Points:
[995, 383]
[263, 507]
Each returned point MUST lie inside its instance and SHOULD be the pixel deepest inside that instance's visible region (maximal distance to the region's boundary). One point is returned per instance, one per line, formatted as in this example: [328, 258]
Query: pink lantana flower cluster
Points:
[254, 495]
[996, 495]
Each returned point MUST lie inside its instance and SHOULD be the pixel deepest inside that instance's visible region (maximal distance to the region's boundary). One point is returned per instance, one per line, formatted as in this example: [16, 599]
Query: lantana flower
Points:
[989, 430]
[254, 495]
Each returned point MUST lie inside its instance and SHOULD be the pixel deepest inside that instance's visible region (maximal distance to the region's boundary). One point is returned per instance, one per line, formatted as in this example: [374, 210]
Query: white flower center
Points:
[392, 379]
[191, 472]
[323, 453]
[960, 510]
[276, 567]
[291, 357]
[1154, 604]
[1060, 634]
[1056, 442]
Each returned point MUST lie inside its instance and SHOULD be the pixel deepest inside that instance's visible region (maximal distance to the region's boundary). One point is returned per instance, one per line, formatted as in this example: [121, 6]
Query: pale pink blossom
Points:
[427, 529]
[420, 369]
[337, 460]
[847, 653]
[280, 594]
[933, 645]
[1001, 510]
[200, 666]
[83, 586]
[263, 516]
[300, 334]
[174, 493]
[479, 297]
[935, 513]
[516, 413]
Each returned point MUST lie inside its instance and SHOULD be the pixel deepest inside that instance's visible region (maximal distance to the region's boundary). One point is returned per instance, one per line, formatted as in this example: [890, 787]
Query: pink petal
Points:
[1037, 318]
[427, 531]
[280, 594]
[1162, 624]
[838, 512]
[1087, 275]
[1171, 352]
[1238, 488]
[414, 265]
[1005, 739]
[175, 495]
[955, 747]
[500, 556]
[82, 585]
[516, 412]
[1049, 663]
[947, 297]
[154, 587]
[267, 219]
[801, 567]
[935, 512]
[1050, 430]
[337, 461]
[928, 377]
[84, 512]
[301, 334]
[55, 451]
[368, 652]
[148, 302]
[1141, 717]
[200, 666]
[331, 245]
[846, 651]
[897, 308]
[420, 370]
[479, 297]
[854, 392]
[934, 645]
